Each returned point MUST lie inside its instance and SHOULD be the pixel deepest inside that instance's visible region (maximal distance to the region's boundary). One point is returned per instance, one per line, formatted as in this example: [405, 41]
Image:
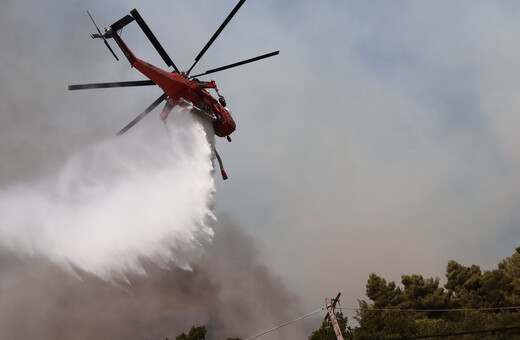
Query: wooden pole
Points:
[335, 325]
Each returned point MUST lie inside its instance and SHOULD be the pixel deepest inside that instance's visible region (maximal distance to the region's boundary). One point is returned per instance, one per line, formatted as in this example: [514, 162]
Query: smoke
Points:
[146, 195]
[232, 295]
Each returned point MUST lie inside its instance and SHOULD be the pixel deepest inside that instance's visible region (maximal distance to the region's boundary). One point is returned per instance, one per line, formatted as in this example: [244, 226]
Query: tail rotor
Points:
[101, 36]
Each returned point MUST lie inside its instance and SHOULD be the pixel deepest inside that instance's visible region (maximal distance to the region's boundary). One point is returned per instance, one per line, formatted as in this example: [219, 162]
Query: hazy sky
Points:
[382, 139]
[388, 142]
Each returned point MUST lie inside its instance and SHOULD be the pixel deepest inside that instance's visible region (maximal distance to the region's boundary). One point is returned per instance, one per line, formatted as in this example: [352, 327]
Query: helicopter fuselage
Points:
[180, 90]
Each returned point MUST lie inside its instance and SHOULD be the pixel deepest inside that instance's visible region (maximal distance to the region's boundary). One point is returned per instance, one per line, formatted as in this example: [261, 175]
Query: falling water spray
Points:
[146, 195]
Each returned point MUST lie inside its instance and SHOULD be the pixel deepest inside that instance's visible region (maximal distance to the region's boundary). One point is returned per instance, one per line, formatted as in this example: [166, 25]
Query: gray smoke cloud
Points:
[232, 295]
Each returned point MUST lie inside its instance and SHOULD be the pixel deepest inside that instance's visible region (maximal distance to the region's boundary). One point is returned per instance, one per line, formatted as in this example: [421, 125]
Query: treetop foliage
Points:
[466, 288]
[195, 333]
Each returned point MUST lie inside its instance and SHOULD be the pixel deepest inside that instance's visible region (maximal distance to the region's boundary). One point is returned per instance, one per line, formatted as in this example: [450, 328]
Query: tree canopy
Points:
[195, 333]
[475, 295]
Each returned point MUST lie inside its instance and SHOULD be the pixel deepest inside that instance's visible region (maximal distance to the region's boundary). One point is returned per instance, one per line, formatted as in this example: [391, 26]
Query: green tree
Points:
[195, 333]
[382, 293]
[375, 323]
[466, 288]
[511, 267]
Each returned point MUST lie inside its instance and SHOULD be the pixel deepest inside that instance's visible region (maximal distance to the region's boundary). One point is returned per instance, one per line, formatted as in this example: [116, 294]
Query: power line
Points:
[444, 311]
[504, 329]
[285, 324]
[406, 310]
[431, 310]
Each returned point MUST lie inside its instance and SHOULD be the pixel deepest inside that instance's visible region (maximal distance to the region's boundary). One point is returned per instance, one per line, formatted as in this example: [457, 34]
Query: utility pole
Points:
[330, 307]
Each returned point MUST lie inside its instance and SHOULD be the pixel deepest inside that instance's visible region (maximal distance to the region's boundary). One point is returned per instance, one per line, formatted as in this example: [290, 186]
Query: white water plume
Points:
[145, 195]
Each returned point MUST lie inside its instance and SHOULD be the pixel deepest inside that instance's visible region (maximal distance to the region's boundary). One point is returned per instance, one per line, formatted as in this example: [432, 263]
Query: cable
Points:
[458, 333]
[430, 310]
[405, 310]
[285, 324]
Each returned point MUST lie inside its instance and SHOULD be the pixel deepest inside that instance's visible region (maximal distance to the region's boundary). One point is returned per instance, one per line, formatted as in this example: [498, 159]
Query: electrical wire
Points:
[285, 324]
[493, 330]
[430, 310]
[407, 310]
[404, 310]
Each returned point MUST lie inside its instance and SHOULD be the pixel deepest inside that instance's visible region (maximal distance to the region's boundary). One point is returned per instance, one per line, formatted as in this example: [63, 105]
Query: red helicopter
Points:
[179, 87]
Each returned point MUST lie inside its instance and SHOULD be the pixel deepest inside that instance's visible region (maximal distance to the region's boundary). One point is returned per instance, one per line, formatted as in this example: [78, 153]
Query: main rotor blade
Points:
[144, 113]
[230, 16]
[237, 64]
[153, 39]
[116, 26]
[110, 85]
